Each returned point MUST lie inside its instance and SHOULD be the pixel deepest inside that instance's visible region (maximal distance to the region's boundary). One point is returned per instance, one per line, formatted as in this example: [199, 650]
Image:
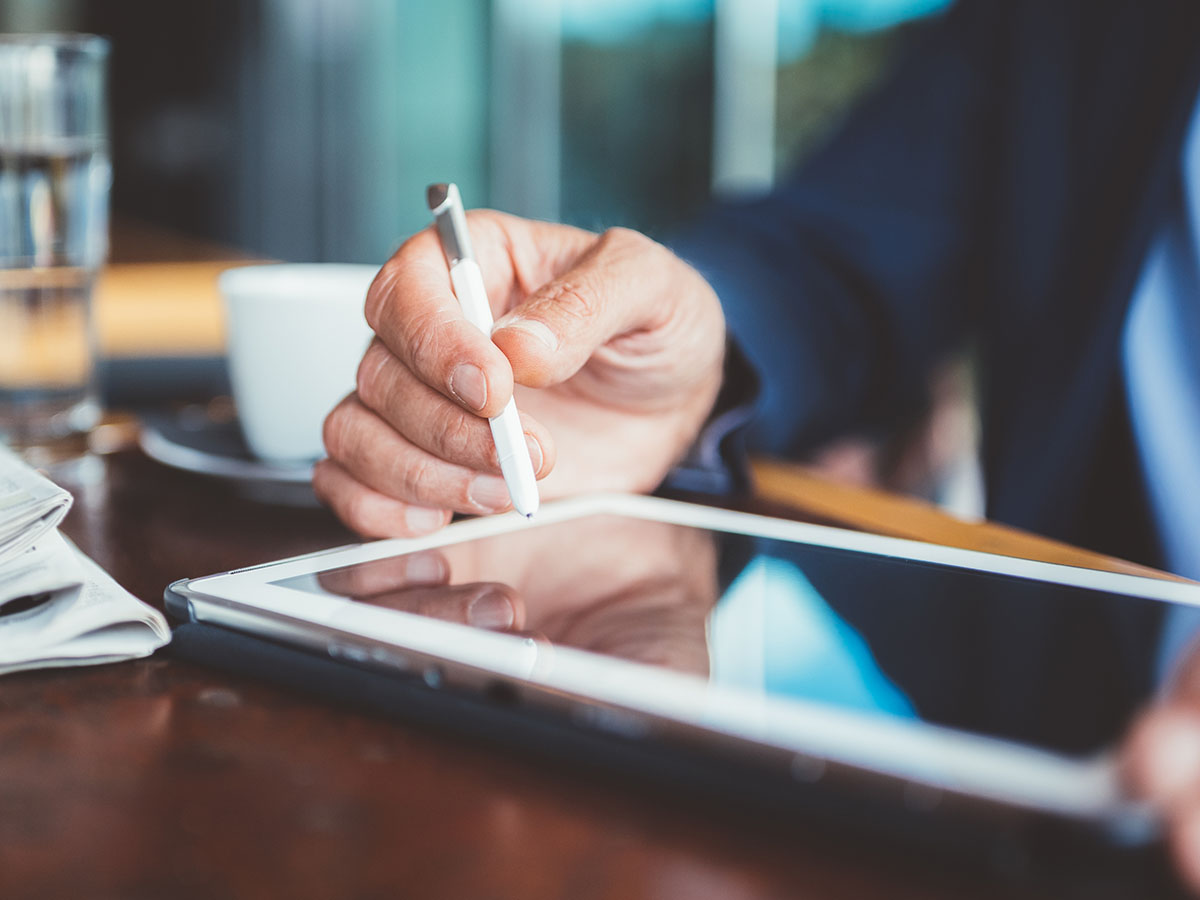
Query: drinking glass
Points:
[54, 183]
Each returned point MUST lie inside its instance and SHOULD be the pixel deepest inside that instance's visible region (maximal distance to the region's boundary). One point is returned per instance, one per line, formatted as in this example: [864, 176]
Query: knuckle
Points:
[454, 434]
[380, 291]
[573, 300]
[626, 241]
[416, 477]
[334, 430]
[368, 380]
[425, 340]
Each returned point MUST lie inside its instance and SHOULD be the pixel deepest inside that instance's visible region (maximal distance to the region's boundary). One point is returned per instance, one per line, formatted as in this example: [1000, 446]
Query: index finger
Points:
[413, 309]
[483, 604]
[425, 567]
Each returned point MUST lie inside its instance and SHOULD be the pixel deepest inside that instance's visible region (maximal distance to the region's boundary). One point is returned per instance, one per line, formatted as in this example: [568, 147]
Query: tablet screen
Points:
[1055, 666]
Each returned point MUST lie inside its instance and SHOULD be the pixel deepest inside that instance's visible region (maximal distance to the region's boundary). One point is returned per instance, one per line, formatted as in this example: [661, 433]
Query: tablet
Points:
[930, 676]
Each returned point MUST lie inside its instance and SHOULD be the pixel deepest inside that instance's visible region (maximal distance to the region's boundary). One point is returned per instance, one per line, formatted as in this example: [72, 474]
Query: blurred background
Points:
[306, 130]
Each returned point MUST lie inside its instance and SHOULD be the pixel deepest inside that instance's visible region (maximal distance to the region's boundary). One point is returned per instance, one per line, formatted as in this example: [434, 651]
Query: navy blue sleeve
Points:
[717, 463]
[847, 284]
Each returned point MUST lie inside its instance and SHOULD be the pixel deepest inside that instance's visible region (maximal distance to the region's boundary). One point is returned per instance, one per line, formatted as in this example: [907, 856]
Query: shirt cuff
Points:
[717, 463]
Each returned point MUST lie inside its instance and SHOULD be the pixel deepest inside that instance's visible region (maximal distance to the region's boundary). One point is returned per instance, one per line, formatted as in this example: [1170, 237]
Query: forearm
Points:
[847, 284]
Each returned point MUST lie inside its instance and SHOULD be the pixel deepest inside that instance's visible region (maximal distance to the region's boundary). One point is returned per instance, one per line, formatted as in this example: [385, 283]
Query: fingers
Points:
[369, 512]
[1185, 846]
[482, 604]
[570, 293]
[425, 567]
[1161, 759]
[412, 308]
[379, 458]
[622, 284]
[389, 389]
[413, 433]
[418, 583]
[1161, 764]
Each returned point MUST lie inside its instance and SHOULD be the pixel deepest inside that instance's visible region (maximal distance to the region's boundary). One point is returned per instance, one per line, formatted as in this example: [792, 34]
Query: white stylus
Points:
[467, 280]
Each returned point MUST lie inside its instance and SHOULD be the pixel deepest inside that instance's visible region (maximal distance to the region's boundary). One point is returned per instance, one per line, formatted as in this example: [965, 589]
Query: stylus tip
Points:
[436, 194]
[528, 515]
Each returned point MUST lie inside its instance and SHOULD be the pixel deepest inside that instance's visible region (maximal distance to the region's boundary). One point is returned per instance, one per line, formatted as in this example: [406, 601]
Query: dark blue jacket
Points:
[998, 192]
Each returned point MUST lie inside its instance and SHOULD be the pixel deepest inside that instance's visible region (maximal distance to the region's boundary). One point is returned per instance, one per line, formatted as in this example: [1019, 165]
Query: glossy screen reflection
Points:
[1056, 666]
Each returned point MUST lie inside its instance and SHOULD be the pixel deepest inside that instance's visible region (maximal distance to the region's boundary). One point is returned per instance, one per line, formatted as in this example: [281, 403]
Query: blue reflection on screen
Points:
[773, 632]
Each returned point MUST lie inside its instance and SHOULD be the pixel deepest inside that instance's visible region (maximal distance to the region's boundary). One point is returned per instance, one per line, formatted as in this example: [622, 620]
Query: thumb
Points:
[619, 285]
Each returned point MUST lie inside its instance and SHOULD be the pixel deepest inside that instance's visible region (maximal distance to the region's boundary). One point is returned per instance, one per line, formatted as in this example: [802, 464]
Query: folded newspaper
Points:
[57, 607]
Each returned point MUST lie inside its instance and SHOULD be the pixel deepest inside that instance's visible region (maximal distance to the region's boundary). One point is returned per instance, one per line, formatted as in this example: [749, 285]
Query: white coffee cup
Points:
[296, 333]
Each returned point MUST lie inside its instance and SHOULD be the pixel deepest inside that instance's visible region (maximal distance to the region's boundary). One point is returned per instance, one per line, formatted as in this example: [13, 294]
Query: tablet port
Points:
[606, 718]
[389, 658]
[348, 652]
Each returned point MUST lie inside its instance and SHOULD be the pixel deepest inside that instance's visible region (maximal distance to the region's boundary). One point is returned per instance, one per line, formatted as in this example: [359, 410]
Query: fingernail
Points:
[488, 492]
[535, 452]
[468, 384]
[425, 568]
[535, 329]
[422, 519]
[490, 609]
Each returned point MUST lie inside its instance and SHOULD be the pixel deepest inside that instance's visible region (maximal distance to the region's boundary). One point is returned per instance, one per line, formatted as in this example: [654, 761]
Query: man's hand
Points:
[1161, 761]
[643, 591]
[614, 345]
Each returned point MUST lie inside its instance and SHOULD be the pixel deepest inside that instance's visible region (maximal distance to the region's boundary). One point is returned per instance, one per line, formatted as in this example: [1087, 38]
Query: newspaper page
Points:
[30, 506]
[57, 607]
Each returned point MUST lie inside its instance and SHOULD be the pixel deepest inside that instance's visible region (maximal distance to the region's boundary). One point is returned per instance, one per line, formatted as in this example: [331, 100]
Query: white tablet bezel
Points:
[918, 753]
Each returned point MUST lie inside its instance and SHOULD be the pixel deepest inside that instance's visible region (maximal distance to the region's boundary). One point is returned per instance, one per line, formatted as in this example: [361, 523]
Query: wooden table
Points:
[160, 779]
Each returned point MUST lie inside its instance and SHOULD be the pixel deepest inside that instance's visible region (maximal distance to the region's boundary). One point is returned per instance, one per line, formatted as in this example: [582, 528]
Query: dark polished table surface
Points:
[161, 778]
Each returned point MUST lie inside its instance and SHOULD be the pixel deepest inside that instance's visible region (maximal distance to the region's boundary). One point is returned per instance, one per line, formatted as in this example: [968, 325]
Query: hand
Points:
[642, 592]
[419, 583]
[614, 345]
[1161, 763]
